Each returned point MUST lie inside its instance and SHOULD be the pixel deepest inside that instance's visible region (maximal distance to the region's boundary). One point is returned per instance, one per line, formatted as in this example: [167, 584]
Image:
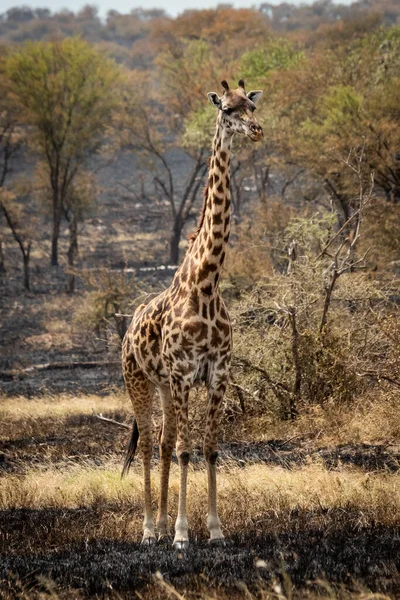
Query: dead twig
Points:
[364, 200]
[111, 421]
[378, 376]
[296, 396]
[240, 391]
[275, 387]
[343, 262]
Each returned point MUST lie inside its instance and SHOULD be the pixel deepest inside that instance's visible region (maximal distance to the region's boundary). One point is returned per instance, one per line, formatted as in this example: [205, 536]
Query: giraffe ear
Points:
[254, 96]
[214, 99]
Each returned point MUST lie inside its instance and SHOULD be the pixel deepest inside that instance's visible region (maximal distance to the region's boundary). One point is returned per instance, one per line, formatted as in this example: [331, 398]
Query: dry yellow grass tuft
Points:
[371, 419]
[277, 590]
[256, 498]
[20, 408]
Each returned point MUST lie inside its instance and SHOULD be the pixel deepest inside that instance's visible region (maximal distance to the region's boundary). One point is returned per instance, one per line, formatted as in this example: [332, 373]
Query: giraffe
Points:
[183, 337]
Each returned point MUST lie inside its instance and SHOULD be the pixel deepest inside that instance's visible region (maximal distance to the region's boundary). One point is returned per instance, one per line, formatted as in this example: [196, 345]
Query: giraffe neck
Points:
[208, 250]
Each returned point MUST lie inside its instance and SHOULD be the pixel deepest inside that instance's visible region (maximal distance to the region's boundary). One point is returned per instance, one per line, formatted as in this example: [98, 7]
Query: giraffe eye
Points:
[227, 111]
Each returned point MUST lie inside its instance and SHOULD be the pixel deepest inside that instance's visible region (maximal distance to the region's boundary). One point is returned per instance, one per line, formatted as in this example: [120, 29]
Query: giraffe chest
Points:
[197, 344]
[186, 339]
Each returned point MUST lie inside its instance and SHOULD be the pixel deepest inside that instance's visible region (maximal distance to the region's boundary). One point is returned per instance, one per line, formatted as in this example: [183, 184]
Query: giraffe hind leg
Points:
[141, 394]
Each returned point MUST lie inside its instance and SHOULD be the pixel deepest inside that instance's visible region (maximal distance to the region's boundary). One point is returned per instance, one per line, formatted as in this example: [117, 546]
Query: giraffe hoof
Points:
[148, 541]
[218, 542]
[164, 539]
[181, 545]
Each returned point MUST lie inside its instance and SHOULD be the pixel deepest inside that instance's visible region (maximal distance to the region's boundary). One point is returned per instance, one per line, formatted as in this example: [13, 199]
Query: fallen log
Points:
[20, 373]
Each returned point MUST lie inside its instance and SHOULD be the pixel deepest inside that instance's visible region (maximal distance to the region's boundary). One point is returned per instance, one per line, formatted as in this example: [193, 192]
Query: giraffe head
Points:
[236, 110]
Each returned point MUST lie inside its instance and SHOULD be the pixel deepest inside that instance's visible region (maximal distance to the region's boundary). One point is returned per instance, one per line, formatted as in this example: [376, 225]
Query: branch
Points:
[23, 244]
[241, 391]
[195, 189]
[329, 289]
[349, 220]
[297, 364]
[191, 182]
[18, 373]
[111, 421]
[378, 376]
[274, 386]
[290, 181]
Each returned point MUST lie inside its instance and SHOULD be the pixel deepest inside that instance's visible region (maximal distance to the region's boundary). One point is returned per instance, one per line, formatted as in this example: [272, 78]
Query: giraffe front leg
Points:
[167, 443]
[211, 456]
[183, 449]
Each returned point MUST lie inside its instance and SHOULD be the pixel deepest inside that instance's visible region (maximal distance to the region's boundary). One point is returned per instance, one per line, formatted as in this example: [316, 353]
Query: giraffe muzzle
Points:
[256, 132]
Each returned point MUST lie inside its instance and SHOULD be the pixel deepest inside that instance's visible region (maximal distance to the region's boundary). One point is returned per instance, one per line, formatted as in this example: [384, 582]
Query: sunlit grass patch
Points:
[256, 498]
[372, 419]
[19, 408]
[36, 429]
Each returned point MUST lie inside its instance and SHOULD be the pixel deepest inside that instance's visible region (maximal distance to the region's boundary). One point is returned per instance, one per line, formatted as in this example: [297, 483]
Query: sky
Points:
[172, 7]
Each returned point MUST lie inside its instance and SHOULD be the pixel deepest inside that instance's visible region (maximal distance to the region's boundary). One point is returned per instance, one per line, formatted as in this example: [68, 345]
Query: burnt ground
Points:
[63, 546]
[339, 556]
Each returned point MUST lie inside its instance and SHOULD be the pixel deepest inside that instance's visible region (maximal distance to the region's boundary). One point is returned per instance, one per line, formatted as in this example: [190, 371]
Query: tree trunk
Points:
[26, 258]
[174, 243]
[72, 252]
[2, 262]
[56, 230]
[122, 324]
[54, 245]
[25, 246]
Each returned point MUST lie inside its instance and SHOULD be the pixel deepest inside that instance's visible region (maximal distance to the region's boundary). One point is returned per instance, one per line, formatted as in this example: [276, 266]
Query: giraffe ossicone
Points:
[183, 336]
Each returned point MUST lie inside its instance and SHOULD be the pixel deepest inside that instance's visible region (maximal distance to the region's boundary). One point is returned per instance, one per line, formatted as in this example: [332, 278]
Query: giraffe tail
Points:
[131, 449]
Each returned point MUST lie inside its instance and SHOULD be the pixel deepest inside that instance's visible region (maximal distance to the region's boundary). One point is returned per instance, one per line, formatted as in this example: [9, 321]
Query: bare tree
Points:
[80, 198]
[15, 220]
[152, 140]
[344, 258]
[11, 140]
[181, 205]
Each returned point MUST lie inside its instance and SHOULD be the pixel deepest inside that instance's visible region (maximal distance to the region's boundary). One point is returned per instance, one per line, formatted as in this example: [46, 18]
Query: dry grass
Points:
[73, 504]
[254, 498]
[278, 590]
[161, 589]
[371, 419]
[20, 408]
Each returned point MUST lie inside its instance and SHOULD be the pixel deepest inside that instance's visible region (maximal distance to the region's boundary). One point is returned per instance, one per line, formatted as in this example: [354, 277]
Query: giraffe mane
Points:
[193, 236]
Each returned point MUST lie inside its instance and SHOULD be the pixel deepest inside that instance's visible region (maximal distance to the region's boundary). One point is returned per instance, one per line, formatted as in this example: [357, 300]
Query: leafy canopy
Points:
[272, 55]
[68, 91]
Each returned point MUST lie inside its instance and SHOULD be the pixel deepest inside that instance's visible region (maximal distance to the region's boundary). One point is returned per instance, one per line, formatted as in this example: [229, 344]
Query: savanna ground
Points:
[309, 466]
[310, 508]
[303, 517]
